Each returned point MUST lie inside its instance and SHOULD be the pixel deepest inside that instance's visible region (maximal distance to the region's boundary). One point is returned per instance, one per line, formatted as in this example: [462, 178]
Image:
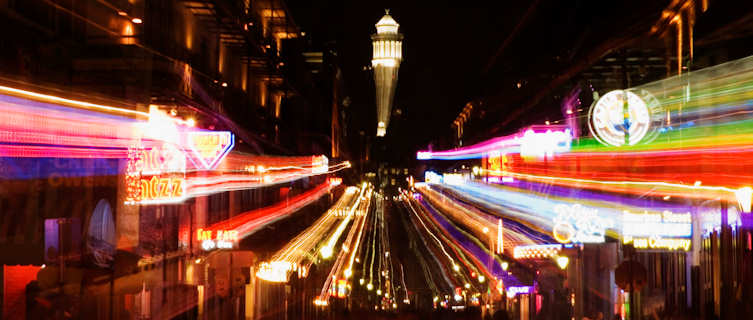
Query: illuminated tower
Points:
[387, 54]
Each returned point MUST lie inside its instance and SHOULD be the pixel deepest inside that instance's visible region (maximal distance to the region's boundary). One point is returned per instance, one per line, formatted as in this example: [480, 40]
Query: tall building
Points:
[387, 54]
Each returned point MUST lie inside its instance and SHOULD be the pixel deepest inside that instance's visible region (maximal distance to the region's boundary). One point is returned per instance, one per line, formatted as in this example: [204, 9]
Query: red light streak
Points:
[248, 222]
[669, 172]
[60, 152]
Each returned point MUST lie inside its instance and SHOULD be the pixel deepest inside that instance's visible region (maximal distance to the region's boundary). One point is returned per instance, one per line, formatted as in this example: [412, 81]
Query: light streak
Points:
[199, 185]
[249, 222]
[343, 254]
[300, 251]
[349, 268]
[476, 255]
[37, 125]
[452, 261]
[69, 102]
[533, 141]
[427, 271]
[469, 262]
[341, 227]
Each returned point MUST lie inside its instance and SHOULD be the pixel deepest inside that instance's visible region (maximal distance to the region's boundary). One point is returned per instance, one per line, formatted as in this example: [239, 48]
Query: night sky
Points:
[450, 58]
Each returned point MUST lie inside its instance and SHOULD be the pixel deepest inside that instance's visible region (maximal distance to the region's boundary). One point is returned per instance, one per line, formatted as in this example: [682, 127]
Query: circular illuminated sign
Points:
[563, 232]
[622, 113]
[579, 224]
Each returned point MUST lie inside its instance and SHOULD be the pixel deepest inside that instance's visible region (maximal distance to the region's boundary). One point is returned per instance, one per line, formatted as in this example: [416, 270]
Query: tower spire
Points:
[387, 54]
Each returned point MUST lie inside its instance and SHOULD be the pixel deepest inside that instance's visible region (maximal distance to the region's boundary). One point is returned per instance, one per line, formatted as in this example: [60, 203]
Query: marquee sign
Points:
[537, 251]
[621, 113]
[210, 147]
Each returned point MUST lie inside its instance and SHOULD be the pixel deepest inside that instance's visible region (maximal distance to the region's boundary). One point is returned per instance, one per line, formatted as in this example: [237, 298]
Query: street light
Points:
[326, 252]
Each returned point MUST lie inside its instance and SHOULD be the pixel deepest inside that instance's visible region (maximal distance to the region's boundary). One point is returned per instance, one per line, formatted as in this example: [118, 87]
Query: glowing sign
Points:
[454, 178]
[275, 271]
[161, 188]
[540, 144]
[659, 243]
[341, 287]
[657, 230]
[156, 175]
[513, 291]
[538, 251]
[496, 161]
[579, 224]
[622, 112]
[335, 181]
[210, 147]
[663, 224]
[500, 286]
[432, 177]
[319, 164]
[221, 239]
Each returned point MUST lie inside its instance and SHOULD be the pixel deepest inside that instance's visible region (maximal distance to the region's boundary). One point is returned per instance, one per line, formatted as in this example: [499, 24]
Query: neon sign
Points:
[156, 175]
[579, 224]
[210, 147]
[221, 239]
[664, 224]
[657, 230]
[660, 243]
[496, 161]
[621, 112]
[335, 181]
[540, 144]
[513, 291]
